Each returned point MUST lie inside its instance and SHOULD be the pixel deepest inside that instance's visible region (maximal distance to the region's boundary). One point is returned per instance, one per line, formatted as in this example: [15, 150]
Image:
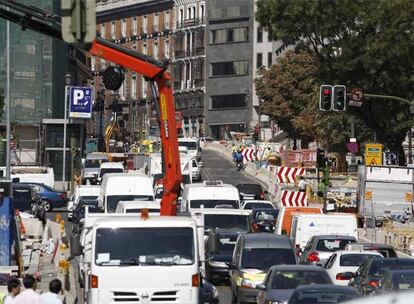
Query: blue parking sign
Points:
[80, 105]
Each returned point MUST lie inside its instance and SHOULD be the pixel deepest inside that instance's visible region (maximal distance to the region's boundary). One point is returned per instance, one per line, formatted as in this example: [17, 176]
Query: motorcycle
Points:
[263, 226]
[39, 211]
[239, 165]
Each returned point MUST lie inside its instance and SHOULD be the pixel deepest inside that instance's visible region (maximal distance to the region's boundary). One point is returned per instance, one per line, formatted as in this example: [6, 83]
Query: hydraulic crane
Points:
[29, 17]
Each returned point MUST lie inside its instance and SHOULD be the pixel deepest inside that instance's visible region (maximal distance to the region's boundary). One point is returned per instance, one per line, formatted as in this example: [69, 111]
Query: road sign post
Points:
[373, 154]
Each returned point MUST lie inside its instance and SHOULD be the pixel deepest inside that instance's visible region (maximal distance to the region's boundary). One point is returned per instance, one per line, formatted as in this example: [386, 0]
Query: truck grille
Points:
[125, 296]
[164, 296]
[134, 297]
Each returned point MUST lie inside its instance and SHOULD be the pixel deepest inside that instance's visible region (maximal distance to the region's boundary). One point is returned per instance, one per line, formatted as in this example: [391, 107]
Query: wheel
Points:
[47, 205]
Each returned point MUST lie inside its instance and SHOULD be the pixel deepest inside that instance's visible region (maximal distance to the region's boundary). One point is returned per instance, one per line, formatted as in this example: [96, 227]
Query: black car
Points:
[281, 281]
[250, 191]
[24, 195]
[323, 293]
[208, 293]
[366, 279]
[396, 280]
[263, 219]
[388, 251]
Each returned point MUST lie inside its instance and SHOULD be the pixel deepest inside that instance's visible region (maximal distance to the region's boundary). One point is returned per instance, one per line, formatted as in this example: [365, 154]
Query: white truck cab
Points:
[210, 194]
[145, 259]
[137, 206]
[109, 167]
[193, 146]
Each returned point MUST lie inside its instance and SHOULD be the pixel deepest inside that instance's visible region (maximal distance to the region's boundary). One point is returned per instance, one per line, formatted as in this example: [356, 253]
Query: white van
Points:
[90, 168]
[304, 226]
[137, 206]
[156, 167]
[145, 260]
[210, 194]
[118, 187]
[110, 167]
[82, 192]
[192, 145]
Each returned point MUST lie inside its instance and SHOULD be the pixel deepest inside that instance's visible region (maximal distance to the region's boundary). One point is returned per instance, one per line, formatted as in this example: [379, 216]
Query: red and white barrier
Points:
[288, 175]
[249, 154]
[291, 198]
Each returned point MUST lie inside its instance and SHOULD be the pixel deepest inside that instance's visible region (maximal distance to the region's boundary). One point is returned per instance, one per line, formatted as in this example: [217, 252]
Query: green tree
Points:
[359, 43]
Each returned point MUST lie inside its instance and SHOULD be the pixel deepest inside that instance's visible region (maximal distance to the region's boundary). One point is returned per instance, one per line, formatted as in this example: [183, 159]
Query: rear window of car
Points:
[332, 245]
[292, 279]
[355, 259]
[380, 267]
[322, 296]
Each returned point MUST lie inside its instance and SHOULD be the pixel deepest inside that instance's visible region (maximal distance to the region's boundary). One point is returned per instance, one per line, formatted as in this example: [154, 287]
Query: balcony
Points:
[191, 23]
[199, 83]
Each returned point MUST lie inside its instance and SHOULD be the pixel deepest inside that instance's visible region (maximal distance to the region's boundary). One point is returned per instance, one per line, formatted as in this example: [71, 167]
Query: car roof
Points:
[377, 246]
[365, 252]
[391, 261]
[297, 268]
[268, 240]
[334, 237]
[322, 287]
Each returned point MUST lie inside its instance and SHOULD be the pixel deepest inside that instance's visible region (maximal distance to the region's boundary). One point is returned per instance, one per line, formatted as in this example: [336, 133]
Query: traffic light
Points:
[78, 21]
[325, 98]
[320, 158]
[339, 100]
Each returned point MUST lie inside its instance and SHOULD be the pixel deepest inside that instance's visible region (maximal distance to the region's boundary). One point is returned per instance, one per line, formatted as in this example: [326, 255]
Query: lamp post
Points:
[246, 99]
[410, 138]
[68, 82]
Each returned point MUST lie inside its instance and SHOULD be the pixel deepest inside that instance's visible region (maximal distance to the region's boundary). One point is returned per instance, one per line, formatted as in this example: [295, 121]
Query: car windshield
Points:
[138, 210]
[130, 246]
[251, 206]
[94, 163]
[88, 198]
[191, 145]
[355, 259]
[332, 245]
[292, 279]
[322, 296]
[93, 206]
[227, 221]
[380, 267]
[22, 193]
[227, 244]
[264, 258]
[110, 170]
[113, 200]
[265, 215]
[214, 204]
[403, 281]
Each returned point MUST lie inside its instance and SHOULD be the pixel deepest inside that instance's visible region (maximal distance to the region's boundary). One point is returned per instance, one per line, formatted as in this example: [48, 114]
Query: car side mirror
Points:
[261, 287]
[213, 242]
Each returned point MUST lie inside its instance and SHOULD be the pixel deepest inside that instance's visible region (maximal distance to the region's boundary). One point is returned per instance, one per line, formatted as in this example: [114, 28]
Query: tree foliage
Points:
[360, 43]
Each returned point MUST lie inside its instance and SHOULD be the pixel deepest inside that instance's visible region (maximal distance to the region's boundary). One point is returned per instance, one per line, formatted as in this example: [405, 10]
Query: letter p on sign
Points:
[77, 96]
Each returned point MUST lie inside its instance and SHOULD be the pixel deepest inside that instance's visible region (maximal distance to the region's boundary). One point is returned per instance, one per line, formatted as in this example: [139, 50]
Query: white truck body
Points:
[304, 226]
[391, 189]
[210, 195]
[136, 207]
[193, 146]
[90, 168]
[142, 260]
[118, 187]
[186, 167]
[32, 174]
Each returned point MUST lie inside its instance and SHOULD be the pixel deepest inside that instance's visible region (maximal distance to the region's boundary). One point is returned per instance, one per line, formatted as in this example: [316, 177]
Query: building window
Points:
[155, 50]
[103, 30]
[259, 60]
[189, 13]
[167, 49]
[134, 26]
[156, 22]
[113, 29]
[144, 49]
[93, 63]
[144, 88]
[269, 59]
[167, 20]
[202, 12]
[259, 35]
[123, 28]
[193, 12]
[220, 102]
[232, 68]
[144, 24]
[229, 35]
[133, 87]
[181, 20]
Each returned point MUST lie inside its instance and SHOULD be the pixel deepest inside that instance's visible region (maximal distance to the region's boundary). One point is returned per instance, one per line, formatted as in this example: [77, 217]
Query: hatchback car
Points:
[253, 204]
[366, 279]
[396, 281]
[52, 197]
[281, 281]
[250, 191]
[323, 294]
[320, 247]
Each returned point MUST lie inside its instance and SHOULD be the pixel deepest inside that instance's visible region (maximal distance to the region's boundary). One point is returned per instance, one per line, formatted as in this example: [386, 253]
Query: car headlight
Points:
[274, 302]
[247, 283]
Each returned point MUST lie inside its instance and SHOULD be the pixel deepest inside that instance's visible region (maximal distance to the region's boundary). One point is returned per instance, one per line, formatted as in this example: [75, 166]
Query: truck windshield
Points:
[94, 163]
[130, 246]
[110, 170]
[236, 222]
[113, 200]
[264, 258]
[191, 145]
[229, 204]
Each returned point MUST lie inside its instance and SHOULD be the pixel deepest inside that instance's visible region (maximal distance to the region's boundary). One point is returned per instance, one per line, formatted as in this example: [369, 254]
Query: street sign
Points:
[352, 147]
[368, 195]
[357, 96]
[80, 105]
[373, 154]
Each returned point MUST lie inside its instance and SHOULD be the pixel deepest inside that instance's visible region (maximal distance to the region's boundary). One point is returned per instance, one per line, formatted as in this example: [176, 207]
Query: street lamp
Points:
[68, 82]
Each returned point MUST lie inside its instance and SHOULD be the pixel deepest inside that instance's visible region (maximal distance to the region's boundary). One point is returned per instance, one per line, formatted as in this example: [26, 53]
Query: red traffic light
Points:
[326, 92]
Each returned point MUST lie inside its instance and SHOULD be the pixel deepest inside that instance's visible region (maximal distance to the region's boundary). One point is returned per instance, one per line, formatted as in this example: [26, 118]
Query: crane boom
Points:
[46, 23]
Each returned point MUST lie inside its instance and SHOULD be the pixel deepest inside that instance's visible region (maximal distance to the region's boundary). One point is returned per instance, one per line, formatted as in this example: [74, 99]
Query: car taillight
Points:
[195, 280]
[313, 257]
[62, 196]
[373, 283]
[255, 227]
[94, 281]
[261, 195]
[341, 276]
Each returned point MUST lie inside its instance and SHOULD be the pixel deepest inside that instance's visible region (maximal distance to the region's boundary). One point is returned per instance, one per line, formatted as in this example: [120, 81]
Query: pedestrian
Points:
[52, 297]
[29, 295]
[13, 287]
[302, 184]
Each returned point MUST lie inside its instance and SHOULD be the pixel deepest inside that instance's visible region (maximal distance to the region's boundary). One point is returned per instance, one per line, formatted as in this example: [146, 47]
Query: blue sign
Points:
[6, 224]
[80, 105]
